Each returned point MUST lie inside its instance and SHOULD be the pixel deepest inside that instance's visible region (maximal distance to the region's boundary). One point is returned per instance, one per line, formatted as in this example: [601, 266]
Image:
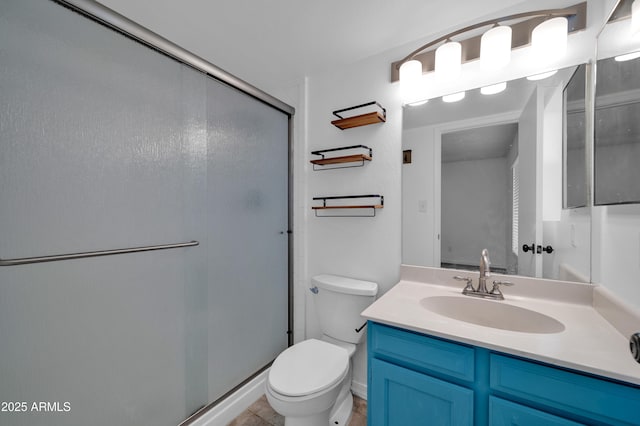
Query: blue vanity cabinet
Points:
[405, 397]
[415, 379]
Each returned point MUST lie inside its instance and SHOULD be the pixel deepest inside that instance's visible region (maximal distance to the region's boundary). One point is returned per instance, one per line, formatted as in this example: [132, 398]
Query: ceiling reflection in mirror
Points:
[487, 172]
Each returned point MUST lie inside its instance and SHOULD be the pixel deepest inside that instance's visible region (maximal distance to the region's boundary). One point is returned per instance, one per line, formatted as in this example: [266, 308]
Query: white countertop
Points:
[588, 342]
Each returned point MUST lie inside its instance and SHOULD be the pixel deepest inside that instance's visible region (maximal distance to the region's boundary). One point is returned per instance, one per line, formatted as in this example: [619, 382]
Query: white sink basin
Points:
[490, 313]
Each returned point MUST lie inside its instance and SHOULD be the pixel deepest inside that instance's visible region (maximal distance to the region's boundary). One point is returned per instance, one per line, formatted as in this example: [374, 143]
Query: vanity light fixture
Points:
[454, 97]
[493, 89]
[446, 54]
[495, 48]
[627, 56]
[541, 76]
[549, 39]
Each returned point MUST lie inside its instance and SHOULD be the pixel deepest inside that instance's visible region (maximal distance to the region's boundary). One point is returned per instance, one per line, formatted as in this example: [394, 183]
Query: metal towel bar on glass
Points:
[69, 256]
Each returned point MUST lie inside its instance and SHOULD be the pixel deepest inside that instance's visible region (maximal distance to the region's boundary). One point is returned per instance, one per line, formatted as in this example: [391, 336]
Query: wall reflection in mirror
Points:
[617, 131]
[488, 172]
[616, 211]
[576, 189]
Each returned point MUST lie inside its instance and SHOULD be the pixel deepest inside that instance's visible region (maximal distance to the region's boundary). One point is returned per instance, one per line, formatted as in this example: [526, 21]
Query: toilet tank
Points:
[339, 301]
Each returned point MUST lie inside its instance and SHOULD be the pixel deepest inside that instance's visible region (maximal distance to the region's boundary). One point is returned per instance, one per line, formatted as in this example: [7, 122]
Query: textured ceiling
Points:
[274, 43]
[479, 143]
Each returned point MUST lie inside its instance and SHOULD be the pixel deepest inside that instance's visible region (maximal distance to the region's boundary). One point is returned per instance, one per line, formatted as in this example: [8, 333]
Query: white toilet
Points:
[310, 382]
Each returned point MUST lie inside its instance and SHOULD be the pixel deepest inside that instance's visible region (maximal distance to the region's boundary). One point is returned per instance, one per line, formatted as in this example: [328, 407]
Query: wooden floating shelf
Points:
[344, 159]
[324, 205]
[362, 119]
[368, 206]
[340, 160]
[359, 120]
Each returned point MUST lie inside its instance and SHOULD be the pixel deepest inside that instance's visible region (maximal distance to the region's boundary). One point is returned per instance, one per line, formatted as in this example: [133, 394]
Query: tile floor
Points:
[260, 413]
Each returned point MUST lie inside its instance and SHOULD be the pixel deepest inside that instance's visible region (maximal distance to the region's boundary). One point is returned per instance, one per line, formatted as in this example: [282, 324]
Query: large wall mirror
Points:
[496, 171]
[479, 163]
[617, 157]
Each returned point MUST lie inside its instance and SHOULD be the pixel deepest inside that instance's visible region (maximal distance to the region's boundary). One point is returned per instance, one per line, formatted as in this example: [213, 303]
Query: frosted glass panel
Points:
[105, 144]
[247, 204]
[94, 131]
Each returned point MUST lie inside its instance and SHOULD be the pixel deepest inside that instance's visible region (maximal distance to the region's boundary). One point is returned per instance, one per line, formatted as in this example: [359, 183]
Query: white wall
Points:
[364, 248]
[552, 153]
[418, 206]
[570, 238]
[616, 257]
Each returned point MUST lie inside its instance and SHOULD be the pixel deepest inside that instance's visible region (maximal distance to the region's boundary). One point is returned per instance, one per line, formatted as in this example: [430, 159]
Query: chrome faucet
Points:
[485, 272]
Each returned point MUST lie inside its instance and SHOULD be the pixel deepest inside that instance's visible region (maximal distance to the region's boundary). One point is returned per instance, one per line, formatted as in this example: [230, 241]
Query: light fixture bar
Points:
[521, 35]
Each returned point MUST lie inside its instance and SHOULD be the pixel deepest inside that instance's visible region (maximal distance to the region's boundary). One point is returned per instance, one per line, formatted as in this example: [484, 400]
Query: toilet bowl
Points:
[310, 382]
[305, 380]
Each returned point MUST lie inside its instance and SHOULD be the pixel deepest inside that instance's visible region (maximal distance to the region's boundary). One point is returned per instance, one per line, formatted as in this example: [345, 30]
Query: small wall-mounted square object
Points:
[406, 156]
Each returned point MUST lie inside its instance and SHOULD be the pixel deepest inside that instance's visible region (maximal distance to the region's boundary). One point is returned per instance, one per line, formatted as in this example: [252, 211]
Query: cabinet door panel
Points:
[579, 396]
[505, 413]
[401, 397]
[420, 352]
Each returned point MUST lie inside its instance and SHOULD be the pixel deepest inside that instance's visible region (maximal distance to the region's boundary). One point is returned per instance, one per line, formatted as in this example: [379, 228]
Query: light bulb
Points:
[410, 80]
[454, 97]
[495, 48]
[449, 60]
[549, 39]
[627, 56]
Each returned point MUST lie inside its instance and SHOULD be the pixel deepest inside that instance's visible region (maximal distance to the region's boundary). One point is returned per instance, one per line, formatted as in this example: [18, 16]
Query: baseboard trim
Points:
[359, 389]
[227, 410]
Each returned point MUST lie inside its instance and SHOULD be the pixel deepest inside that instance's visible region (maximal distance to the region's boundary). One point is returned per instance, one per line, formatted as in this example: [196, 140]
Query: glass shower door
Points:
[106, 144]
[246, 227]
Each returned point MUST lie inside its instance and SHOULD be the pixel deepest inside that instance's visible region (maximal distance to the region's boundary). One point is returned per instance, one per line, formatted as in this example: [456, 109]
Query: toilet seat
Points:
[308, 367]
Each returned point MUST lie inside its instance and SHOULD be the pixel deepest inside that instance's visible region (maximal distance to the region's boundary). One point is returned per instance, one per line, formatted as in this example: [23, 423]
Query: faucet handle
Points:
[468, 280]
[496, 287]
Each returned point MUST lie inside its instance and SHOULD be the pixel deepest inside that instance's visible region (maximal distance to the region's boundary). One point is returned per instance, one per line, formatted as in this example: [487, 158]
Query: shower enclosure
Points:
[109, 142]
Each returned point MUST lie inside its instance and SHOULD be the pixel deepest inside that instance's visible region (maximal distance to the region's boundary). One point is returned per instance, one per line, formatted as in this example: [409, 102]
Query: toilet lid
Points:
[308, 367]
